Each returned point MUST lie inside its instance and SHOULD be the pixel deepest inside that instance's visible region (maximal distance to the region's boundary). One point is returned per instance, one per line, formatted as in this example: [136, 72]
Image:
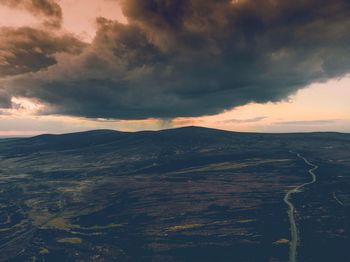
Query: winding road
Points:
[291, 209]
[338, 200]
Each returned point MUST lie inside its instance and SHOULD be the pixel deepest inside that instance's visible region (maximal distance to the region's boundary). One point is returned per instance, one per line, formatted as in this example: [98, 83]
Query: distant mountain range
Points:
[184, 136]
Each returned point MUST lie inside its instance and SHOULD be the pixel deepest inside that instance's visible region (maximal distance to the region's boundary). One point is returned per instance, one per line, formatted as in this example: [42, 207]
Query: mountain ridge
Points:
[189, 128]
[167, 140]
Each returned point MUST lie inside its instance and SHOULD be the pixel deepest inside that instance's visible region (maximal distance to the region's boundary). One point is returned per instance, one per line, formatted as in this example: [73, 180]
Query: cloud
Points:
[308, 122]
[244, 121]
[25, 49]
[5, 99]
[179, 58]
[48, 9]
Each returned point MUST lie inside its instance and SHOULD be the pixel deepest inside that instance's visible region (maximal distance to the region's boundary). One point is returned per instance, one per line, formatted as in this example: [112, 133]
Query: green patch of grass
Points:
[184, 227]
[70, 240]
[44, 251]
[281, 241]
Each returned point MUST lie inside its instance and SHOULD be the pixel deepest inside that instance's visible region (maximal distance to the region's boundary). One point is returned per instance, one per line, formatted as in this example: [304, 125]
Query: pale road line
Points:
[294, 241]
[337, 199]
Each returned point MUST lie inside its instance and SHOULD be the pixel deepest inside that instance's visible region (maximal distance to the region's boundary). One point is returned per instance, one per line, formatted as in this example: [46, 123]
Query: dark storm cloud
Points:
[194, 57]
[26, 49]
[48, 9]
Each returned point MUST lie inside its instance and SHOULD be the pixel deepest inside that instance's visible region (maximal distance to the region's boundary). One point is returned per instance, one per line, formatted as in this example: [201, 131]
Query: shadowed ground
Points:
[189, 194]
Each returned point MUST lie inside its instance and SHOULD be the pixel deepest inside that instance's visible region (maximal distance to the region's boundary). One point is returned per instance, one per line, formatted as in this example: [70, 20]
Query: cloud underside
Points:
[184, 58]
[25, 49]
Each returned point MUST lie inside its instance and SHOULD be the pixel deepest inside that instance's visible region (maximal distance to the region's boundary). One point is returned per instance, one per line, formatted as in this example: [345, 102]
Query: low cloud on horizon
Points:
[308, 122]
[243, 121]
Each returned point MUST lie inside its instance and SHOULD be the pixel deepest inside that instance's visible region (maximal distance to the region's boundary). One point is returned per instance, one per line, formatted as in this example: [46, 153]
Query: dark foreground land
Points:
[188, 194]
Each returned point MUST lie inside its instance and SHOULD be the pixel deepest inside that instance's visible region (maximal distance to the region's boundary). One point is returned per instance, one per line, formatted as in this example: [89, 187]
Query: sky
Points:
[243, 65]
